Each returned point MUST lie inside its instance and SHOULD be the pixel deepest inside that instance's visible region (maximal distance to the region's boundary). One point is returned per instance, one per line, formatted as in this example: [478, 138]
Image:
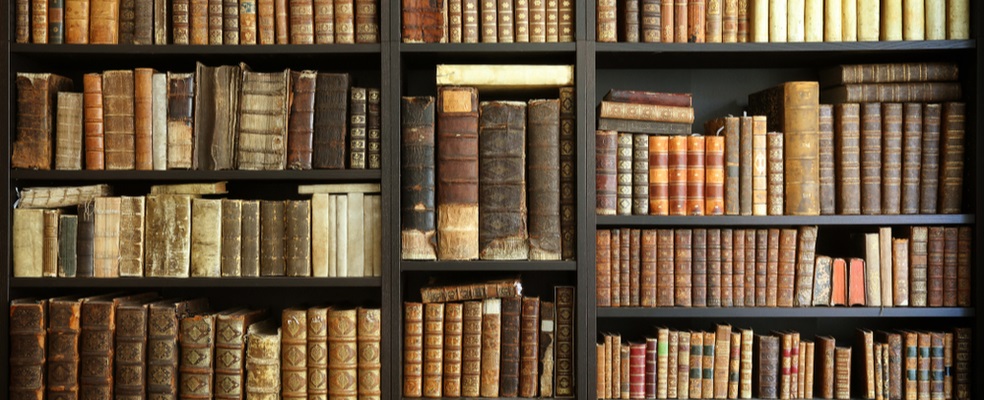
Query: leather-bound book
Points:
[871, 157]
[728, 267]
[623, 361]
[826, 158]
[509, 367]
[665, 268]
[373, 129]
[786, 273]
[664, 349]
[682, 267]
[218, 148]
[739, 267]
[615, 285]
[143, 117]
[912, 141]
[84, 250]
[658, 174]
[502, 288]
[36, 102]
[768, 368]
[924, 365]
[745, 364]
[900, 272]
[458, 173]
[648, 268]
[263, 120]
[708, 365]
[806, 245]
[774, 173]
[699, 267]
[118, 114]
[639, 126]
[683, 369]
[910, 364]
[143, 24]
[206, 238]
[263, 360]
[640, 174]
[452, 350]
[76, 22]
[301, 29]
[68, 131]
[104, 19]
[297, 237]
[629, 14]
[696, 22]
[950, 275]
[491, 319]
[892, 157]
[168, 242]
[127, 21]
[893, 375]
[893, 92]
[502, 210]
[265, 21]
[713, 261]
[633, 288]
[181, 89]
[504, 22]
[49, 245]
[842, 372]
[92, 119]
[162, 344]
[272, 228]
[605, 172]
[822, 281]
[839, 283]
[964, 266]
[624, 173]
[762, 267]
[713, 21]
[606, 26]
[825, 356]
[677, 163]
[650, 20]
[948, 364]
[131, 349]
[772, 266]
[521, 20]
[696, 360]
[230, 344]
[180, 30]
[567, 166]
[936, 365]
[293, 350]
[132, 219]
[96, 343]
[417, 178]
[317, 351]
[564, 297]
[28, 323]
[368, 353]
[637, 365]
[626, 258]
[250, 231]
[793, 109]
[714, 175]
[471, 348]
[752, 268]
[67, 230]
[413, 349]
[602, 266]
[281, 21]
[344, 22]
[760, 171]
[744, 145]
[61, 363]
[846, 129]
[602, 351]
[331, 120]
[198, 21]
[733, 360]
[367, 28]
[230, 263]
[230, 21]
[855, 282]
[951, 157]
[357, 128]
[720, 357]
[248, 21]
[342, 353]
[106, 238]
[916, 278]
[196, 368]
[930, 158]
[962, 344]
[324, 21]
[645, 112]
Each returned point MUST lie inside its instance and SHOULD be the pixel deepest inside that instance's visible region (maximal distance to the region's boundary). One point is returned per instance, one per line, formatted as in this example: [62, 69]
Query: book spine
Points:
[625, 260]
[665, 268]
[774, 173]
[746, 165]
[132, 236]
[624, 170]
[301, 121]
[342, 353]
[509, 368]
[847, 159]
[871, 158]
[806, 244]
[911, 156]
[489, 24]
[640, 174]
[503, 143]
[567, 168]
[658, 174]
[491, 322]
[714, 267]
[668, 26]
[677, 170]
[732, 166]
[294, 345]
[648, 268]
[417, 179]
[633, 280]
[951, 157]
[181, 89]
[547, 345]
[28, 323]
[471, 348]
[646, 112]
[650, 366]
[62, 358]
[68, 131]
[605, 172]
[738, 267]
[699, 267]
[714, 175]
[892, 157]
[197, 346]
[769, 366]
[565, 350]
[357, 128]
[76, 22]
[131, 350]
[930, 158]
[826, 158]
[728, 268]
[762, 267]
[457, 136]
[373, 129]
[544, 172]
[650, 21]
[272, 228]
[713, 21]
[631, 21]
[413, 349]
[368, 367]
[682, 267]
[529, 346]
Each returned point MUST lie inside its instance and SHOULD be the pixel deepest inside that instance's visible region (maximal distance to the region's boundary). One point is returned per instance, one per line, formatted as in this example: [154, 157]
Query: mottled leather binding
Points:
[301, 17]
[143, 24]
[471, 348]
[92, 119]
[728, 268]
[509, 367]
[564, 384]
[331, 120]
[413, 349]
[964, 266]
[640, 174]
[132, 218]
[104, 19]
[265, 21]
[950, 266]
[342, 353]
[36, 107]
[774, 173]
[180, 31]
[198, 21]
[263, 120]
[871, 157]
[930, 158]
[847, 158]
[220, 151]
[263, 360]
[892, 157]
[118, 115]
[230, 344]
[760, 171]
[763, 291]
[294, 353]
[677, 163]
[344, 22]
[951, 158]
[230, 22]
[787, 268]
[767, 368]
[567, 166]
[196, 366]
[806, 244]
[96, 345]
[368, 367]
[357, 128]
[131, 349]
[696, 359]
[665, 268]
[76, 22]
[650, 22]
[181, 89]
[28, 323]
[603, 265]
[250, 229]
[647, 281]
[143, 117]
[417, 179]
[699, 267]
[126, 23]
[230, 263]
[826, 158]
[272, 229]
[248, 10]
[544, 172]
[624, 173]
[822, 281]
[714, 175]
[168, 240]
[502, 213]
[682, 267]
[615, 284]
[529, 346]
[745, 165]
[911, 145]
[373, 129]
[491, 320]
[630, 27]
[458, 173]
[452, 350]
[62, 358]
[658, 174]
[316, 350]
[893, 92]
[605, 172]
[68, 131]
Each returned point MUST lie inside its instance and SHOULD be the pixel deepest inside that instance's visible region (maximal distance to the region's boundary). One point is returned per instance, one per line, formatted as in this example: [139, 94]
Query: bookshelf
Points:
[720, 75]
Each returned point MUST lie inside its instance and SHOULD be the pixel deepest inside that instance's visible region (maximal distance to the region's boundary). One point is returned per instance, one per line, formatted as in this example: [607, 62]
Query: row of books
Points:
[87, 346]
[173, 232]
[495, 160]
[738, 364]
[225, 117]
[779, 268]
[503, 21]
[490, 347]
[213, 22]
[718, 21]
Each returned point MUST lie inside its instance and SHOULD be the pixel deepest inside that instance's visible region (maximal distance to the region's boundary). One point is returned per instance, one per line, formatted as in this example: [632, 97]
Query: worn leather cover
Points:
[143, 117]
[344, 22]
[198, 16]
[368, 327]
[489, 24]
[143, 24]
[127, 21]
[509, 369]
[677, 163]
[162, 344]
[658, 174]
[452, 350]
[76, 22]
[67, 230]
[250, 232]
[892, 157]
[714, 268]
[68, 131]
[682, 267]
[36, 102]
[205, 116]
[272, 225]
[131, 349]
[104, 18]
[317, 352]
[458, 173]
[544, 178]
[822, 280]
[206, 240]
[342, 354]
[324, 21]
[567, 170]
[911, 156]
[760, 160]
[471, 348]
[96, 344]
[232, 238]
[367, 29]
[951, 256]
[62, 359]
[28, 323]
[491, 320]
[930, 158]
[605, 172]
[196, 365]
[230, 347]
[503, 211]
[699, 267]
[221, 151]
[413, 349]
[774, 173]
[529, 346]
[952, 158]
[302, 119]
[297, 237]
[180, 31]
[504, 22]
[132, 218]
[106, 239]
[640, 174]
[374, 129]
[423, 21]
[630, 28]
[806, 245]
[92, 99]
[847, 158]
[294, 356]
[263, 361]
[265, 21]
[714, 175]
[331, 120]
[118, 115]
[181, 89]
[263, 120]
[302, 29]
[434, 314]
[648, 268]
[248, 22]
[417, 179]
[893, 92]
[168, 241]
[357, 128]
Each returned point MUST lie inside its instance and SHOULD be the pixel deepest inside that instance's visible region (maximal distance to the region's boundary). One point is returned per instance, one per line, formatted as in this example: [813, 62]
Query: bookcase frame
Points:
[396, 63]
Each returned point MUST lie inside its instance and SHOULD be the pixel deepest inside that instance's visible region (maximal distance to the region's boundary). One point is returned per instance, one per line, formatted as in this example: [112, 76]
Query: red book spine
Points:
[637, 370]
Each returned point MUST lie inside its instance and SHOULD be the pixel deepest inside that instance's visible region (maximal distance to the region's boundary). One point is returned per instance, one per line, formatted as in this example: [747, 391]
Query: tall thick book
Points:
[458, 173]
[417, 229]
[68, 131]
[472, 348]
[168, 240]
[605, 172]
[893, 92]
[131, 349]
[793, 109]
[231, 243]
[143, 117]
[491, 319]
[230, 350]
[826, 158]
[331, 120]
[181, 90]
[648, 268]
[951, 157]
[892, 157]
[36, 105]
[567, 166]
[847, 161]
[912, 141]
[272, 228]
[502, 210]
[529, 346]
[509, 367]
[930, 158]
[76, 22]
[132, 217]
[806, 244]
[413, 349]
[787, 278]
[665, 268]
[118, 116]
[342, 353]
[218, 148]
[263, 120]
[434, 314]
[317, 352]
[564, 297]
[197, 363]
[699, 267]
[28, 325]
[294, 353]
[544, 179]
[263, 360]
[61, 362]
[92, 119]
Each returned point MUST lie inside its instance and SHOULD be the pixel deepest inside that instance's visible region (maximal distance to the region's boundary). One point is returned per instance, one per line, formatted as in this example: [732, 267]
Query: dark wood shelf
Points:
[823, 220]
[246, 282]
[171, 49]
[485, 48]
[328, 175]
[785, 312]
[487, 266]
[815, 47]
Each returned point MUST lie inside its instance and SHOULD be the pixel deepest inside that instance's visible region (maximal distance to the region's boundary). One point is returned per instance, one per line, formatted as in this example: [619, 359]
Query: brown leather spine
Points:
[297, 237]
[699, 268]
[760, 172]
[658, 174]
[738, 267]
[215, 20]
[567, 169]
[36, 95]
[263, 120]
[537, 21]
[772, 266]
[806, 244]
[713, 270]
[76, 22]
[62, 360]
[118, 111]
[272, 225]
[162, 344]
[509, 369]
[930, 158]
[413, 349]
[632, 283]
[344, 22]
[230, 344]
[232, 237]
[964, 266]
[602, 268]
[366, 26]
[265, 21]
[280, 22]
[417, 222]
[894, 92]
[871, 158]
[127, 21]
[787, 268]
[751, 283]
[491, 321]
[912, 148]
[745, 165]
[544, 173]
[892, 157]
[488, 13]
[324, 21]
[714, 175]
[774, 173]
[847, 159]
[198, 21]
[230, 22]
[28, 323]
[317, 352]
[131, 350]
[952, 158]
[181, 89]
[248, 10]
[471, 348]
[302, 119]
[950, 266]
[104, 18]
[302, 27]
[762, 266]
[357, 128]
[502, 215]
[250, 257]
[624, 173]
[180, 31]
[648, 268]
[143, 143]
[665, 268]
[197, 343]
[682, 267]
[826, 158]
[84, 239]
[728, 268]
[458, 173]
[678, 178]
[342, 353]
[452, 350]
[605, 172]
[630, 15]
[294, 353]
[331, 120]
[640, 174]
[368, 367]
[68, 132]
[564, 297]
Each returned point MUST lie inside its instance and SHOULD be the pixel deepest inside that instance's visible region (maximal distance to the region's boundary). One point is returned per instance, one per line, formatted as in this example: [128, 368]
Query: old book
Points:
[324, 21]
[503, 192]
[263, 120]
[60, 196]
[951, 157]
[344, 21]
[197, 365]
[357, 128]
[626, 262]
[413, 349]
[317, 351]
[106, 239]
[822, 281]
[162, 343]
[873, 270]
[826, 158]
[639, 175]
[708, 365]
[265, 21]
[67, 228]
[696, 360]
[331, 120]
[893, 92]
[638, 126]
[912, 141]
[272, 229]
[605, 172]
[61, 361]
[950, 266]
[774, 173]
[354, 259]
[871, 158]
[839, 282]
[417, 178]
[190, 189]
[471, 368]
[181, 89]
[745, 363]
[491, 317]
[664, 268]
[92, 119]
[297, 237]
[763, 289]
[159, 121]
[682, 267]
[602, 266]
[301, 22]
[624, 173]
[281, 21]
[601, 354]
[699, 267]
[900, 272]
[373, 129]
[728, 268]
[714, 175]
[768, 372]
[230, 344]
[885, 266]
[372, 231]
[230, 263]
[733, 360]
[720, 369]
[104, 19]
[918, 261]
[198, 22]
[888, 73]
[168, 240]
[892, 157]
[924, 364]
[746, 164]
[76, 22]
[219, 147]
[637, 365]
[964, 266]
[683, 366]
[118, 114]
[677, 163]
[368, 366]
[132, 217]
[772, 266]
[806, 243]
[648, 268]
[293, 350]
[29, 351]
[847, 158]
[504, 76]
[131, 349]
[509, 370]
[696, 17]
[753, 275]
[206, 238]
[423, 22]
[564, 297]
[263, 360]
[566, 165]
[84, 239]
[342, 353]
[739, 267]
[787, 268]
[96, 344]
[180, 30]
[340, 188]
[658, 175]
[68, 131]
[793, 108]
[230, 21]
[930, 158]
[143, 117]
[434, 314]
[662, 360]
[36, 102]
[646, 112]
[452, 350]
[458, 173]
[760, 171]
[248, 21]
[615, 265]
[544, 173]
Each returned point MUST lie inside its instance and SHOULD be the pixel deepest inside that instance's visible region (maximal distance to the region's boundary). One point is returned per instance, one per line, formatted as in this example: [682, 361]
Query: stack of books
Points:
[718, 21]
[487, 340]
[175, 232]
[234, 353]
[495, 160]
[499, 21]
[217, 118]
[208, 22]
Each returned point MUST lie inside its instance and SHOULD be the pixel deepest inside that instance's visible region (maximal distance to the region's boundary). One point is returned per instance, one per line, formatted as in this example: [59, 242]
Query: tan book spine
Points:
[118, 114]
[293, 351]
[471, 348]
[934, 20]
[206, 238]
[796, 21]
[317, 352]
[214, 22]
[873, 283]
[68, 131]
[250, 230]
[198, 22]
[106, 241]
[342, 354]
[891, 20]
[232, 237]
[413, 349]
[265, 21]
[760, 174]
[868, 20]
[132, 236]
[892, 157]
[774, 173]
[489, 384]
[458, 190]
[302, 29]
[248, 21]
[344, 22]
[646, 112]
[434, 314]
[368, 367]
[324, 21]
[77, 22]
[168, 235]
[104, 18]
[263, 361]
[912, 147]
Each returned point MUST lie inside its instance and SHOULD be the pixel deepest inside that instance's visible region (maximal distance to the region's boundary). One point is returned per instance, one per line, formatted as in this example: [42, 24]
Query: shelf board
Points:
[347, 175]
[784, 220]
[166, 50]
[245, 282]
[487, 48]
[785, 312]
[487, 266]
[819, 47]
